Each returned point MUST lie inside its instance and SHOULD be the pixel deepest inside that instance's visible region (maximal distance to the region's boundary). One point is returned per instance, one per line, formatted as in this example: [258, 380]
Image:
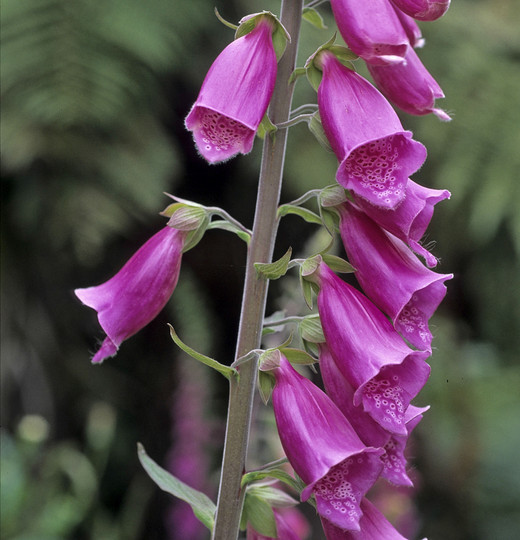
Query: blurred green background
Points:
[94, 94]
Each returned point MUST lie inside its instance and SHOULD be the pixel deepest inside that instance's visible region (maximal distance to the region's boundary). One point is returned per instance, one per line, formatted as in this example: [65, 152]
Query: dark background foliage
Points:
[94, 94]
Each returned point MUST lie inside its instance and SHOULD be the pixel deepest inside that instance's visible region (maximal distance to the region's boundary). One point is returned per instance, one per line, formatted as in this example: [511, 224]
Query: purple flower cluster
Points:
[377, 341]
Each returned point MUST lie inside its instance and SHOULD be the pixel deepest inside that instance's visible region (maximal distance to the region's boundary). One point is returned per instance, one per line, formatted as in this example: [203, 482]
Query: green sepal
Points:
[260, 515]
[296, 74]
[278, 474]
[279, 33]
[344, 55]
[299, 357]
[308, 215]
[266, 127]
[203, 507]
[223, 21]
[187, 218]
[227, 371]
[276, 269]
[269, 360]
[227, 226]
[330, 220]
[310, 329]
[337, 264]
[274, 496]
[316, 128]
[265, 385]
[332, 196]
[313, 17]
[307, 289]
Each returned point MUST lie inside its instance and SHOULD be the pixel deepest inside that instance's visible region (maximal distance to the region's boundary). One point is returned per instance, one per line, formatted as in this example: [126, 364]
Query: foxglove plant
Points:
[338, 442]
[423, 10]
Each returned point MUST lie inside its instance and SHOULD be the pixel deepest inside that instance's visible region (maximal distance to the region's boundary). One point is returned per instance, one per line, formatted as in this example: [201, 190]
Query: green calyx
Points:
[280, 35]
[313, 66]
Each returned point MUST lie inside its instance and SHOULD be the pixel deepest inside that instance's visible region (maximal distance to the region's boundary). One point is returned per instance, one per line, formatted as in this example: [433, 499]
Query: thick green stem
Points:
[241, 392]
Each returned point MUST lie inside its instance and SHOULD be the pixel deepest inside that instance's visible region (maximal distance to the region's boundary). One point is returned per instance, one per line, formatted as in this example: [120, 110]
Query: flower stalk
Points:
[231, 496]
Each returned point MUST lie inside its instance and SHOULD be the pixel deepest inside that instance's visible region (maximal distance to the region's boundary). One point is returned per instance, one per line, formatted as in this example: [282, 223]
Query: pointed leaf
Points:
[306, 291]
[266, 126]
[187, 218]
[313, 17]
[227, 371]
[316, 128]
[337, 264]
[276, 269]
[297, 356]
[308, 215]
[203, 507]
[279, 474]
[265, 386]
[260, 515]
[227, 226]
[310, 329]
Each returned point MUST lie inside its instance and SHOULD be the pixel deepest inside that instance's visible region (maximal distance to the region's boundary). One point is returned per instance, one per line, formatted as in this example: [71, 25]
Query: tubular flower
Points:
[322, 447]
[137, 293]
[234, 96]
[376, 155]
[410, 219]
[369, 431]
[423, 10]
[373, 526]
[385, 373]
[410, 86]
[371, 29]
[392, 276]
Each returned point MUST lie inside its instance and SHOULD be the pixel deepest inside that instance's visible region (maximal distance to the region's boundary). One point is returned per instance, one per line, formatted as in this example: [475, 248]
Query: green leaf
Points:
[297, 356]
[227, 371]
[306, 291]
[316, 128]
[265, 385]
[330, 220]
[265, 127]
[332, 196]
[313, 17]
[274, 496]
[187, 218]
[337, 264]
[203, 507]
[296, 74]
[314, 76]
[308, 215]
[195, 236]
[344, 55]
[278, 474]
[276, 269]
[260, 515]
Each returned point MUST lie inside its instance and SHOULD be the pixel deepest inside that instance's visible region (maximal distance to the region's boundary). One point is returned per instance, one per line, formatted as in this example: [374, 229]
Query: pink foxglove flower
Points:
[137, 293]
[410, 86]
[373, 526]
[369, 431]
[385, 373]
[376, 155]
[371, 29]
[392, 276]
[410, 219]
[423, 10]
[322, 447]
[234, 96]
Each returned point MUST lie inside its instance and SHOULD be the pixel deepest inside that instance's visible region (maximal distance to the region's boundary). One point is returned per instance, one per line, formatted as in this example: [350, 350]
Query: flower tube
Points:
[371, 29]
[137, 293]
[376, 154]
[234, 96]
[322, 447]
[410, 86]
[369, 431]
[392, 276]
[423, 10]
[385, 373]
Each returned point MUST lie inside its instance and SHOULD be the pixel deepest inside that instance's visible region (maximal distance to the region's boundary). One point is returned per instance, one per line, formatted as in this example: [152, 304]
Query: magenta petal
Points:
[411, 28]
[137, 293]
[234, 96]
[423, 10]
[372, 356]
[371, 29]
[373, 526]
[322, 447]
[410, 86]
[376, 155]
[409, 220]
[392, 276]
